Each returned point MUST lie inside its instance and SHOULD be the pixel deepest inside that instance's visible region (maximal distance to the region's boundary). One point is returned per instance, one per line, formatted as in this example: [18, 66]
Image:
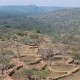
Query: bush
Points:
[33, 35]
[30, 72]
[28, 41]
[14, 37]
[21, 34]
[9, 52]
[6, 56]
[76, 55]
[25, 72]
[43, 73]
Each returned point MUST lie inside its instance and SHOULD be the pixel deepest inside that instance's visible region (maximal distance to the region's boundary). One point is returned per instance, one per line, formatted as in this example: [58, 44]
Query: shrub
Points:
[43, 73]
[22, 34]
[6, 56]
[27, 41]
[25, 72]
[76, 55]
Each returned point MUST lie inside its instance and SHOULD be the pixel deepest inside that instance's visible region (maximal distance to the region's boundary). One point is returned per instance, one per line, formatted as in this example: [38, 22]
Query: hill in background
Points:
[61, 23]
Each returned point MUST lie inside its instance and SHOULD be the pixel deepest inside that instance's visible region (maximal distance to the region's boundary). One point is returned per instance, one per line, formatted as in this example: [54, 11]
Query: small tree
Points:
[45, 50]
[75, 54]
[18, 52]
[5, 58]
